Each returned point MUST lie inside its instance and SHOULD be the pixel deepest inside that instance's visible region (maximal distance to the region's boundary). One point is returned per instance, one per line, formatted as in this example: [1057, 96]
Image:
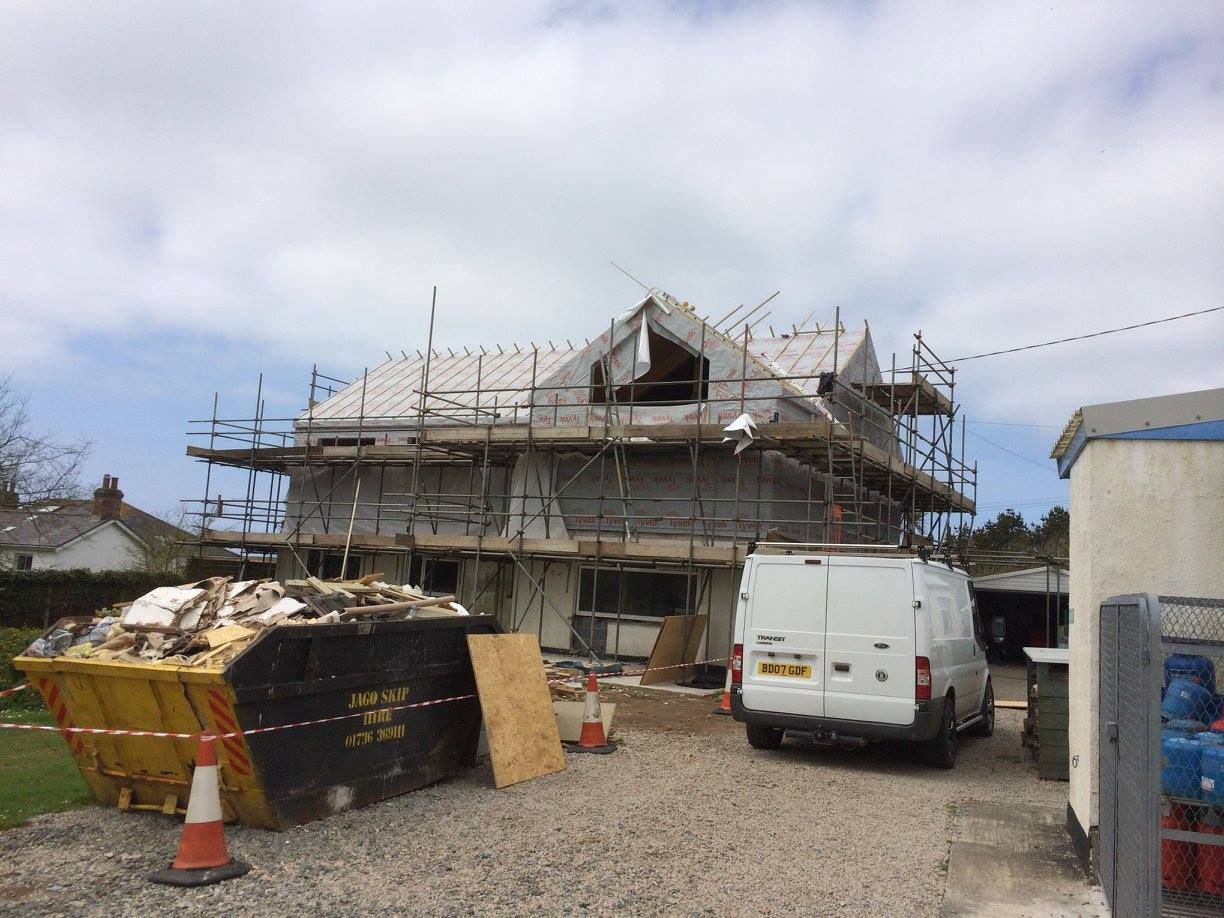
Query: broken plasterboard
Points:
[161, 606]
[284, 606]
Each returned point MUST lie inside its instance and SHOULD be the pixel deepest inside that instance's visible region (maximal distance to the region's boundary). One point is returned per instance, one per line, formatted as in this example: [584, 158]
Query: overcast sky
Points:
[193, 194]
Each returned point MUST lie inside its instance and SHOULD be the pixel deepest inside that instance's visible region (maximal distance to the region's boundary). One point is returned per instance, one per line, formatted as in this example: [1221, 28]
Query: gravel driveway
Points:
[685, 818]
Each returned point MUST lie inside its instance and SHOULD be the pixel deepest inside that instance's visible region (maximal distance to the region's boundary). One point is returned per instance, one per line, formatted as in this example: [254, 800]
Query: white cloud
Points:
[302, 174]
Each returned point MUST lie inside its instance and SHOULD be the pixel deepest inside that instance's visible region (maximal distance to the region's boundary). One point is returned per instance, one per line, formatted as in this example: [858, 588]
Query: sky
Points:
[195, 194]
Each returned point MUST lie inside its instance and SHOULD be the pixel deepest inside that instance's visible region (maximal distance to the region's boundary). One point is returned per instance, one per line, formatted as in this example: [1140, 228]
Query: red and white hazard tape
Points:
[637, 672]
[164, 734]
[328, 720]
[14, 690]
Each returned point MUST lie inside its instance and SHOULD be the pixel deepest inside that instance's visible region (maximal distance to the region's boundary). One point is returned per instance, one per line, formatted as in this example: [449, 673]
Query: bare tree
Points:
[166, 550]
[36, 464]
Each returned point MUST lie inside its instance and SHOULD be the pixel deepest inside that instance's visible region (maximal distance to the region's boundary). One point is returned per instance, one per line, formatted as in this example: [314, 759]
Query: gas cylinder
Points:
[1180, 761]
[1178, 867]
[1211, 857]
[1186, 700]
[1211, 774]
[1199, 670]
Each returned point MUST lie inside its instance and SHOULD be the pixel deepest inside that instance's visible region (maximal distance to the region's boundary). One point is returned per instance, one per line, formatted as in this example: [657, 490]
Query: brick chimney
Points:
[8, 495]
[108, 499]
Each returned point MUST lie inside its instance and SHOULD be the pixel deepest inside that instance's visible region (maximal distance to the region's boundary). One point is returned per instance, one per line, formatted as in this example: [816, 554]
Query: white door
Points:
[869, 641]
[954, 649]
[975, 653]
[784, 635]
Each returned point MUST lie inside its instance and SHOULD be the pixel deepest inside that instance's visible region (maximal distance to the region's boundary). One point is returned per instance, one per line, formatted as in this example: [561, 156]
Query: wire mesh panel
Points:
[1191, 743]
[1129, 715]
[1108, 772]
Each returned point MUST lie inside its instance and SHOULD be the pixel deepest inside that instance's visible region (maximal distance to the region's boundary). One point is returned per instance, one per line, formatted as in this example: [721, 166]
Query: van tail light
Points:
[922, 679]
[737, 665]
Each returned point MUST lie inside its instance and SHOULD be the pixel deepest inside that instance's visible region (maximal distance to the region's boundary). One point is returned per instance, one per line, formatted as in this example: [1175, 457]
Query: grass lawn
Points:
[37, 773]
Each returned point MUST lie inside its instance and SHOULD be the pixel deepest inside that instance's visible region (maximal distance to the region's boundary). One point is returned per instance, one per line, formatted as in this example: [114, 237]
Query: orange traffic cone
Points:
[724, 706]
[202, 855]
[592, 737]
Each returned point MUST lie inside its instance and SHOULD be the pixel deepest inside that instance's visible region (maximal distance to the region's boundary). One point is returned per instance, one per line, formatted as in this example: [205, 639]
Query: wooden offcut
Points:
[524, 742]
[671, 652]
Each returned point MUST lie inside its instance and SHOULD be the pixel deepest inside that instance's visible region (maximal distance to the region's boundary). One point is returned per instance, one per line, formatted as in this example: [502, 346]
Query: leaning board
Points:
[670, 649]
[523, 739]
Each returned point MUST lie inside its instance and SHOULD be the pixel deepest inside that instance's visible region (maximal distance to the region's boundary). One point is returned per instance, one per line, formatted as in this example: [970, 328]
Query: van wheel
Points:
[985, 726]
[941, 748]
[760, 737]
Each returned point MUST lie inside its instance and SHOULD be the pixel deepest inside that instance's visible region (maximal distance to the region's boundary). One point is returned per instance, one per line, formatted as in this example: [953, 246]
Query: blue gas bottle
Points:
[1184, 726]
[1211, 774]
[1199, 670]
[1180, 764]
[1186, 700]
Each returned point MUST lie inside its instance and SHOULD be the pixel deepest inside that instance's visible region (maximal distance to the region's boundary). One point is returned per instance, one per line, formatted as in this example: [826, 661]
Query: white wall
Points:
[532, 612]
[724, 587]
[42, 558]
[107, 548]
[560, 582]
[1147, 516]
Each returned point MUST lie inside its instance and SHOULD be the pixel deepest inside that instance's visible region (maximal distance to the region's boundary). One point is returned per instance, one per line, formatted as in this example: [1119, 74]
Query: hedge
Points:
[13, 641]
[35, 599]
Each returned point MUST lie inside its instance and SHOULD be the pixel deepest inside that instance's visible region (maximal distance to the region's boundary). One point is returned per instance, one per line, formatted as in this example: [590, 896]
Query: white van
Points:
[848, 644]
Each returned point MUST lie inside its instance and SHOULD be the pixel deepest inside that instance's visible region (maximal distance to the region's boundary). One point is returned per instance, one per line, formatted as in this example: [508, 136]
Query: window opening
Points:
[346, 441]
[326, 565]
[652, 594]
[676, 377]
[440, 577]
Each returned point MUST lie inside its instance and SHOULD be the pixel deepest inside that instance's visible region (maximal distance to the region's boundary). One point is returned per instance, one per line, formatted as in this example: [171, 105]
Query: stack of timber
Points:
[564, 683]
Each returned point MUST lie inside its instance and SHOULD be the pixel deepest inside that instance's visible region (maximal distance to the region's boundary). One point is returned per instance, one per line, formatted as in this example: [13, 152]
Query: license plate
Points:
[786, 670]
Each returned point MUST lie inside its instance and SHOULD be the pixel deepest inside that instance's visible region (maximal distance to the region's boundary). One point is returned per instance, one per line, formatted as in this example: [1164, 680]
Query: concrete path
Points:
[1015, 862]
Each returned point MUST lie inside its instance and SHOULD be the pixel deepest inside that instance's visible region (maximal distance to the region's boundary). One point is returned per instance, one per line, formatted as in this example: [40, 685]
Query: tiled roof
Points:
[51, 524]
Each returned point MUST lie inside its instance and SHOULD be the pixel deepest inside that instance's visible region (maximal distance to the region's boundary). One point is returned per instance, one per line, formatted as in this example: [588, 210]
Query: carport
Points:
[1032, 605]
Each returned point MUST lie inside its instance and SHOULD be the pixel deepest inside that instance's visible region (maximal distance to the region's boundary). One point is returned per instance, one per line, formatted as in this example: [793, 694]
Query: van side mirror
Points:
[998, 629]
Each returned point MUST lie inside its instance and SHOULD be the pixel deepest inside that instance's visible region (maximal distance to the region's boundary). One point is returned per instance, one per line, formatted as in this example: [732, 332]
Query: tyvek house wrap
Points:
[321, 500]
[661, 483]
[565, 397]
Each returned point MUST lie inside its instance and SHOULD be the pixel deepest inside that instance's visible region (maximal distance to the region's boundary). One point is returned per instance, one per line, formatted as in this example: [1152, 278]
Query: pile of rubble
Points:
[210, 622]
[564, 683]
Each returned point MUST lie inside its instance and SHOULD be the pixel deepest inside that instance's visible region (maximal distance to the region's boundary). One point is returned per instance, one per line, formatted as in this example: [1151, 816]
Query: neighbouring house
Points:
[100, 534]
[583, 491]
[1147, 516]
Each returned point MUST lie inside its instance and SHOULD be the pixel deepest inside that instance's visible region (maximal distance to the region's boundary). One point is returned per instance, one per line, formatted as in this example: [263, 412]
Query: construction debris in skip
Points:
[210, 622]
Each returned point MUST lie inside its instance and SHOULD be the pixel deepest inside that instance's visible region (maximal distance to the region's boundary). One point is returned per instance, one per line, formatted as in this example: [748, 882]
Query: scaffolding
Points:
[433, 456]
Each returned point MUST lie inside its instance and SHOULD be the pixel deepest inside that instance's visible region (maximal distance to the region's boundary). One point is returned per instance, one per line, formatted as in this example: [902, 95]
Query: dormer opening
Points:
[677, 376]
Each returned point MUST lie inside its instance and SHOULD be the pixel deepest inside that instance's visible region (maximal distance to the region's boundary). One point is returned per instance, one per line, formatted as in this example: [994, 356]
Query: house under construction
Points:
[583, 492]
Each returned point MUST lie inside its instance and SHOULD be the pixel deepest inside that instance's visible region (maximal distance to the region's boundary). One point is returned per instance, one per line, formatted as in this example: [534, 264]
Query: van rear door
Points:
[784, 635]
[869, 642]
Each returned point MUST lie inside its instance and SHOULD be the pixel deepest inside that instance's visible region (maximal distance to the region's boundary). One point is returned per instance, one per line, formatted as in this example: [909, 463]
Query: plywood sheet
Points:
[522, 729]
[671, 649]
[569, 718]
